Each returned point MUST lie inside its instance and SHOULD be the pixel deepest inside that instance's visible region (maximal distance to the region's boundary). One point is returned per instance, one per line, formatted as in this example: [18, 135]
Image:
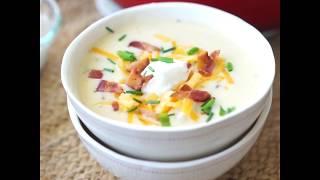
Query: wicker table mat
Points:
[62, 156]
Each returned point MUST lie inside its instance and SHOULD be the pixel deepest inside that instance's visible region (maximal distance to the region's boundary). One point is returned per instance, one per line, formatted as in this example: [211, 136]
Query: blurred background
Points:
[61, 154]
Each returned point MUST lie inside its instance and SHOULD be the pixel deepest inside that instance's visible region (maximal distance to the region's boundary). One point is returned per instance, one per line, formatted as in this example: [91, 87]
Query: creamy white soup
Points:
[169, 73]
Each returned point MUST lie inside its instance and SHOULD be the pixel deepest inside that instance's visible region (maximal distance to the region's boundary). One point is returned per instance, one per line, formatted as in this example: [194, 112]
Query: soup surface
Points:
[169, 73]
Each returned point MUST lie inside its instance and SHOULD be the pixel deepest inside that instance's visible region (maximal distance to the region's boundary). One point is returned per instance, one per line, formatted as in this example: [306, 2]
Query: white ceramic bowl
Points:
[205, 168]
[174, 143]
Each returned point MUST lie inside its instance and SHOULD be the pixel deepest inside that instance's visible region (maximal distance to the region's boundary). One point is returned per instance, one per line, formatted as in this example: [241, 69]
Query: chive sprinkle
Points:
[109, 29]
[154, 59]
[137, 100]
[109, 70]
[122, 37]
[145, 73]
[153, 102]
[138, 93]
[151, 69]
[111, 61]
[172, 114]
[229, 110]
[207, 106]
[193, 51]
[132, 109]
[168, 50]
[229, 66]
[164, 119]
[127, 56]
[222, 112]
[165, 59]
[210, 116]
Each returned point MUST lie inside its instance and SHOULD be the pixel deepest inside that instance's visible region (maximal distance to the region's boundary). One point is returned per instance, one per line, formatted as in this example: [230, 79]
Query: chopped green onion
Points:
[193, 51]
[109, 29]
[222, 112]
[164, 119]
[137, 100]
[207, 106]
[122, 37]
[154, 59]
[172, 114]
[132, 109]
[107, 69]
[127, 56]
[165, 59]
[111, 61]
[138, 93]
[210, 116]
[151, 69]
[153, 102]
[168, 50]
[229, 66]
[229, 110]
[145, 73]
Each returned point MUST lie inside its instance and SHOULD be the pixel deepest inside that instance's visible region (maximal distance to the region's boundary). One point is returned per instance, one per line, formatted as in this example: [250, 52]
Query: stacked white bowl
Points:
[203, 151]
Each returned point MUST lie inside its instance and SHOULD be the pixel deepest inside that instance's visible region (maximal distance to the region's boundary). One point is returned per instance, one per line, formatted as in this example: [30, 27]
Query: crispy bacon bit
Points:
[95, 74]
[139, 65]
[206, 63]
[199, 96]
[214, 54]
[143, 46]
[185, 87]
[135, 80]
[189, 65]
[106, 86]
[115, 105]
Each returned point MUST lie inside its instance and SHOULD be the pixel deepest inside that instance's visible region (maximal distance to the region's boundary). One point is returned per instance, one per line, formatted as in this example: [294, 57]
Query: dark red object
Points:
[206, 63]
[263, 14]
[95, 74]
[199, 96]
[143, 46]
[106, 86]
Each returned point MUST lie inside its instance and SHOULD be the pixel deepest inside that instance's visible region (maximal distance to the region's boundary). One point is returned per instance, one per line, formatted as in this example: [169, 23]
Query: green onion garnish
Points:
[210, 116]
[164, 119]
[229, 110]
[151, 69]
[207, 106]
[145, 73]
[137, 100]
[172, 114]
[229, 66]
[109, 70]
[122, 37]
[154, 59]
[127, 56]
[193, 51]
[132, 109]
[222, 112]
[153, 102]
[168, 50]
[109, 29]
[165, 59]
[111, 61]
[138, 93]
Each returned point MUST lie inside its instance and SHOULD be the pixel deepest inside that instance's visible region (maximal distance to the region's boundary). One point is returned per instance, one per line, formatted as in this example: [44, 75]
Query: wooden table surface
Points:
[62, 156]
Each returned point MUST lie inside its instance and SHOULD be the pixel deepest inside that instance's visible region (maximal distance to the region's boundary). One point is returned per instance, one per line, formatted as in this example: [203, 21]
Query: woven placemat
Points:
[62, 156]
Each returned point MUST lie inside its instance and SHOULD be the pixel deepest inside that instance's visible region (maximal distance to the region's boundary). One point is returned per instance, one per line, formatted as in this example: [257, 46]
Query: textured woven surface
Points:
[62, 156]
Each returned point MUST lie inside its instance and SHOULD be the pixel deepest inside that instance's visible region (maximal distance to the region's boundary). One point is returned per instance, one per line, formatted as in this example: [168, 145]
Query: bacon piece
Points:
[189, 65]
[185, 87]
[206, 63]
[183, 92]
[95, 74]
[115, 105]
[139, 65]
[143, 46]
[135, 80]
[106, 86]
[214, 54]
[199, 96]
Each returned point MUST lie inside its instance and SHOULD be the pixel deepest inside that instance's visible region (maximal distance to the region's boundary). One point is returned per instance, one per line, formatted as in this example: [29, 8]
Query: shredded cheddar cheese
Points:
[130, 117]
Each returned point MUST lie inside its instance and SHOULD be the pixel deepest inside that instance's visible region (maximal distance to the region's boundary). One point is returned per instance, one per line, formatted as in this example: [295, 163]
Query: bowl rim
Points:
[132, 127]
[222, 155]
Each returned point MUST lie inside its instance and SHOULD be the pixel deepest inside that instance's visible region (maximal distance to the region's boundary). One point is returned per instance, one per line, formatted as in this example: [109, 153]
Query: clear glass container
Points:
[50, 20]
